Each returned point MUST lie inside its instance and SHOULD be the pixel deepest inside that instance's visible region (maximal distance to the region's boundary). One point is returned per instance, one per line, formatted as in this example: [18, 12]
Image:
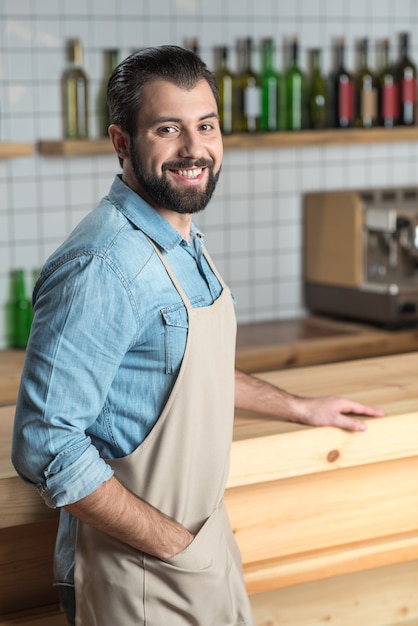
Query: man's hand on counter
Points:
[253, 394]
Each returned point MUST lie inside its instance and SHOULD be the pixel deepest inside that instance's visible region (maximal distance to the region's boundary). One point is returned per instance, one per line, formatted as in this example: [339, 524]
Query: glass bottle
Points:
[269, 80]
[192, 43]
[317, 93]
[343, 92]
[110, 61]
[407, 81]
[74, 84]
[224, 78]
[19, 311]
[246, 91]
[366, 91]
[388, 97]
[294, 91]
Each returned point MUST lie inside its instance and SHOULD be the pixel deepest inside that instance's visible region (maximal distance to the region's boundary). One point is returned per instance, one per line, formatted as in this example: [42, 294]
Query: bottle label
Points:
[409, 90]
[390, 107]
[252, 101]
[368, 104]
[346, 100]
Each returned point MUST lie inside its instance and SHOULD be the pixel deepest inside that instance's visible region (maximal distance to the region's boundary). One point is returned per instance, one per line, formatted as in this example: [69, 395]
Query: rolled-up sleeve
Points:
[84, 323]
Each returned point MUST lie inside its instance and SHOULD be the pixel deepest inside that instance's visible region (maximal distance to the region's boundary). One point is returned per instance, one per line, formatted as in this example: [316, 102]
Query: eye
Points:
[167, 130]
[206, 126]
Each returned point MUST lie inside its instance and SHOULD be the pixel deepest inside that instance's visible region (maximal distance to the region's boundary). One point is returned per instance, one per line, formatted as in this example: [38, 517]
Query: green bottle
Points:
[224, 79]
[387, 90]
[110, 61]
[74, 88]
[407, 80]
[269, 80]
[19, 313]
[295, 91]
[317, 93]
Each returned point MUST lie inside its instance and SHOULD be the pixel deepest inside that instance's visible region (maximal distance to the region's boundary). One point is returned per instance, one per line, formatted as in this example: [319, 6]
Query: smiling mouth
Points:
[193, 173]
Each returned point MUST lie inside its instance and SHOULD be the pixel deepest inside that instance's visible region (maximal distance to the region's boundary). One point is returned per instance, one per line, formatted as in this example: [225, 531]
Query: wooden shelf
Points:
[249, 141]
[328, 137]
[75, 147]
[10, 150]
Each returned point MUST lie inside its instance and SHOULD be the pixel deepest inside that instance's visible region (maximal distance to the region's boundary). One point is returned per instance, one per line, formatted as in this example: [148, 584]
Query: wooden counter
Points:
[326, 520]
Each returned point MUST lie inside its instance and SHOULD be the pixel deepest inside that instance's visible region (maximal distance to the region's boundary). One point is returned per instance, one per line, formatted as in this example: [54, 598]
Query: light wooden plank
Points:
[76, 147]
[307, 451]
[312, 566]
[383, 597]
[316, 512]
[306, 138]
[380, 380]
[21, 504]
[11, 150]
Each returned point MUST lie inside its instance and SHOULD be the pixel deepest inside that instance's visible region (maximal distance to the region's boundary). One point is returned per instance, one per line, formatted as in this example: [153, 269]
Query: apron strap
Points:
[172, 276]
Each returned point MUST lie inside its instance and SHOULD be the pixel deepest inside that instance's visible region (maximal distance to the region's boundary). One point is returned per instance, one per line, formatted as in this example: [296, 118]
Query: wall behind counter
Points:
[254, 222]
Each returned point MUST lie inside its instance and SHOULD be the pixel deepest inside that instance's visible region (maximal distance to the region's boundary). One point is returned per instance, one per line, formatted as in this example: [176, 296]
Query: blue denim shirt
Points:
[107, 341]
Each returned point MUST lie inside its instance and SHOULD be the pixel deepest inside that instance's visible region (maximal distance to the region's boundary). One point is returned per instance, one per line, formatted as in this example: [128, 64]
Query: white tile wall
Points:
[254, 223]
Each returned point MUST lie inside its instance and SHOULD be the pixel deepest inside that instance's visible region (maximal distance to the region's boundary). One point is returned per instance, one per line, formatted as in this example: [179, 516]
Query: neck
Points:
[182, 222]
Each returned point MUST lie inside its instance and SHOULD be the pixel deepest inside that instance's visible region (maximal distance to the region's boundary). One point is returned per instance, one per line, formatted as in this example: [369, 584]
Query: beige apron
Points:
[181, 468]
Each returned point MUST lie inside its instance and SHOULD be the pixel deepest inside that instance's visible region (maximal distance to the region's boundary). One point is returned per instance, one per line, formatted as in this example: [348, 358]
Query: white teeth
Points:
[190, 173]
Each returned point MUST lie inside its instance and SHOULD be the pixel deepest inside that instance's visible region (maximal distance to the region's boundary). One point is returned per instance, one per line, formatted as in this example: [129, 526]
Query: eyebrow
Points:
[178, 120]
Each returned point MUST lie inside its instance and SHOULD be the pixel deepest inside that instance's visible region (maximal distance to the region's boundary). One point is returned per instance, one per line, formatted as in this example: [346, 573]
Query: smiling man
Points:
[125, 411]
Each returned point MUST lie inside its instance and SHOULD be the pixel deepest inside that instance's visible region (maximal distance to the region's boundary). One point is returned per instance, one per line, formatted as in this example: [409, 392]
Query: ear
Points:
[120, 140]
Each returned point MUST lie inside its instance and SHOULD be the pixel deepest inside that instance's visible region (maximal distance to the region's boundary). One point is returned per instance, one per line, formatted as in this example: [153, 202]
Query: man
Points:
[125, 411]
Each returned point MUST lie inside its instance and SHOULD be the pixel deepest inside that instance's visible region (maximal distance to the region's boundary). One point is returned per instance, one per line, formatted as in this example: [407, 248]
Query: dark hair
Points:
[178, 65]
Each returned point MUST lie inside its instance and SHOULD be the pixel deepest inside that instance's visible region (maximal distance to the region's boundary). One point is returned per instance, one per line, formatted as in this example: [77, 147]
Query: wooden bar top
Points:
[389, 382]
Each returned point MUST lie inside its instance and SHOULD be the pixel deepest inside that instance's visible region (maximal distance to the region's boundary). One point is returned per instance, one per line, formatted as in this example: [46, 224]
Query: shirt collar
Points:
[144, 217]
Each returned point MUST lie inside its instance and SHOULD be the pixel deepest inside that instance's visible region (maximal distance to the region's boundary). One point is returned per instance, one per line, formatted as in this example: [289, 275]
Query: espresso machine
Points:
[361, 254]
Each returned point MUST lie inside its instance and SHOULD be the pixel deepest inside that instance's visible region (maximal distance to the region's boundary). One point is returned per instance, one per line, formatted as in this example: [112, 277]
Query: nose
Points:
[191, 145]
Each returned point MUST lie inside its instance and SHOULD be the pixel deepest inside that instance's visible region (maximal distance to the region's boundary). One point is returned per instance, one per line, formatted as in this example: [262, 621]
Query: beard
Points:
[164, 194]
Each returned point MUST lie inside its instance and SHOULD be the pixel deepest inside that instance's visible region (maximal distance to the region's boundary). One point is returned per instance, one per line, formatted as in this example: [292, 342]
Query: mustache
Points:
[183, 164]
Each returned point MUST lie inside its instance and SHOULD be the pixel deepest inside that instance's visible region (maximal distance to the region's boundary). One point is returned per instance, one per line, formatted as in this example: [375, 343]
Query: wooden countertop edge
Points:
[21, 504]
[344, 559]
[326, 350]
[312, 450]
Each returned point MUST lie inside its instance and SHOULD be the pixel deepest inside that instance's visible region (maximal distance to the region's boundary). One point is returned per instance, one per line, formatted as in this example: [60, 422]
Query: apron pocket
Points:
[201, 586]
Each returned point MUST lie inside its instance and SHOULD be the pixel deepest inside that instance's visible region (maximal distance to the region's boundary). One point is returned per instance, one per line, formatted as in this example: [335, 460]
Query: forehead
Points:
[162, 99]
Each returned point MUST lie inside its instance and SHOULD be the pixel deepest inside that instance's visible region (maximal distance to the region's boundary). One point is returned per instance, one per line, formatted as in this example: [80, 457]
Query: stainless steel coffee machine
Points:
[361, 254]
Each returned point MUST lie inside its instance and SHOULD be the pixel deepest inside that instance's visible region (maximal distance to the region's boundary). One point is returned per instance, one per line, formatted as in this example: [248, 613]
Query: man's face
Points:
[177, 153]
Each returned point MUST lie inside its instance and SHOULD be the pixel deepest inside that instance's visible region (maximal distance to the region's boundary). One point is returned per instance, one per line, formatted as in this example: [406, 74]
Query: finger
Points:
[350, 423]
[364, 409]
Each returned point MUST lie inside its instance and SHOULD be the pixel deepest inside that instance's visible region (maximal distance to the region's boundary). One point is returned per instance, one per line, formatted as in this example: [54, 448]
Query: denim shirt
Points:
[107, 341]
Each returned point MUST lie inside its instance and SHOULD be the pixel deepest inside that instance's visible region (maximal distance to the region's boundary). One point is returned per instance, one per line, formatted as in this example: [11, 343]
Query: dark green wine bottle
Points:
[19, 312]
[295, 91]
[387, 90]
[366, 111]
[269, 80]
[224, 79]
[317, 93]
[110, 61]
[407, 80]
[342, 105]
